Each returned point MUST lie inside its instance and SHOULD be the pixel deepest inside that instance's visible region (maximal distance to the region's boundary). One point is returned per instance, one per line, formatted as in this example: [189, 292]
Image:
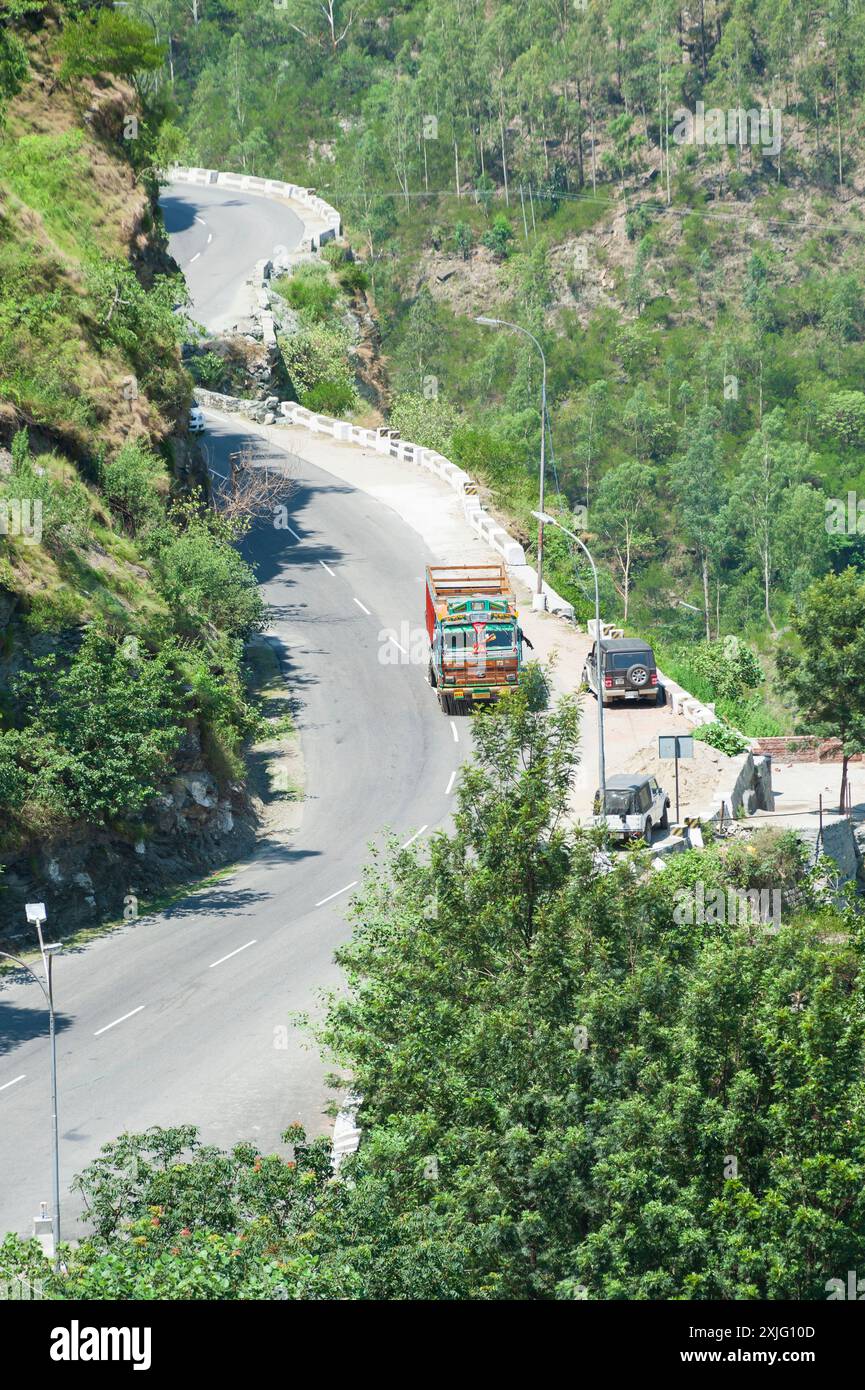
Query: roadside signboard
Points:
[676, 746]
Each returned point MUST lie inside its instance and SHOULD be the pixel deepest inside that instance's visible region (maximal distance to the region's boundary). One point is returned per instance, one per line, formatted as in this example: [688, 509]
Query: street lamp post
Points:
[540, 598]
[36, 916]
[602, 772]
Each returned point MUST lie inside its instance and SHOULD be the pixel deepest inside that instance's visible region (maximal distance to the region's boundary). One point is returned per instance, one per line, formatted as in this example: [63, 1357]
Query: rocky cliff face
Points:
[89, 877]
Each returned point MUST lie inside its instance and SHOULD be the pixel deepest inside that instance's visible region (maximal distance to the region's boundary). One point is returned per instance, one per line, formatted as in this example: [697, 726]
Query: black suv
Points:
[628, 671]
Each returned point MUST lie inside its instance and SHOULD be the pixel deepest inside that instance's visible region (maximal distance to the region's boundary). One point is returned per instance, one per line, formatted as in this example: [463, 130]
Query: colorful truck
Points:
[475, 640]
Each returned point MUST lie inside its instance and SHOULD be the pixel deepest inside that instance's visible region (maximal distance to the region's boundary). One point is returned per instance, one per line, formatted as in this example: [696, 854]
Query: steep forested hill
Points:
[670, 196]
[122, 600]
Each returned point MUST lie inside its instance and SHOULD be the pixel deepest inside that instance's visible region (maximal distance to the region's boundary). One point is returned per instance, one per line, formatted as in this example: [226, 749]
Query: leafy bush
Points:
[330, 398]
[428, 422]
[56, 510]
[354, 279]
[500, 235]
[99, 732]
[728, 665]
[127, 483]
[317, 354]
[310, 291]
[143, 324]
[483, 454]
[207, 370]
[207, 584]
[722, 737]
[106, 42]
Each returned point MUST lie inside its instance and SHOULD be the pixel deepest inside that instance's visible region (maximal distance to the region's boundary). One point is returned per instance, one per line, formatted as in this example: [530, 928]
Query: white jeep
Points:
[634, 805]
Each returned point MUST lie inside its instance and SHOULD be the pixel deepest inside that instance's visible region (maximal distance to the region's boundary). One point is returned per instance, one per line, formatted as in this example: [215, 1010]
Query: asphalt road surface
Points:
[181, 1018]
[216, 236]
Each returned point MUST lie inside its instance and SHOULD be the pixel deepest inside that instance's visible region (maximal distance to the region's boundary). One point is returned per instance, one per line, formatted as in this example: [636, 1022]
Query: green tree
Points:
[697, 487]
[419, 345]
[769, 466]
[623, 515]
[821, 669]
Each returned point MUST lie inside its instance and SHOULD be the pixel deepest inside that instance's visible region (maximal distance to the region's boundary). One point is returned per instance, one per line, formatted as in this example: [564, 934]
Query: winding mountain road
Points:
[181, 1018]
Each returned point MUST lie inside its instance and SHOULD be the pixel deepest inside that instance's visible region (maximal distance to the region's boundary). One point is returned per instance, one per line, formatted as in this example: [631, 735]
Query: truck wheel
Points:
[664, 822]
[662, 695]
[647, 831]
[446, 702]
[431, 675]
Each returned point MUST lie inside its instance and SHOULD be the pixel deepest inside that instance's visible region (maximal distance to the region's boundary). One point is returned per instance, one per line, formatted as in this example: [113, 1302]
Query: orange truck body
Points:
[475, 640]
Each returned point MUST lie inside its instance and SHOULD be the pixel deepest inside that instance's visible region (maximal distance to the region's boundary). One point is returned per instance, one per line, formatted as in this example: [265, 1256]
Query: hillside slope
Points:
[123, 603]
[669, 198]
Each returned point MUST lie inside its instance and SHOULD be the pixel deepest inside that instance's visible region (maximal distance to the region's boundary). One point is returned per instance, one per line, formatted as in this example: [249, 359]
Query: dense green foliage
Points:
[573, 1086]
[96, 734]
[823, 669]
[122, 612]
[715, 338]
[103, 42]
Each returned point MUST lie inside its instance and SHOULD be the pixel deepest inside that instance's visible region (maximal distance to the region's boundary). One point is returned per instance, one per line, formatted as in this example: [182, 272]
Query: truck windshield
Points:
[497, 637]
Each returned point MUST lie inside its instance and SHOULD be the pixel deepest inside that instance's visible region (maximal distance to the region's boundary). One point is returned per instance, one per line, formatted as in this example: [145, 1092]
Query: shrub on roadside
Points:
[98, 732]
[310, 291]
[207, 583]
[430, 423]
[722, 737]
[318, 354]
[329, 398]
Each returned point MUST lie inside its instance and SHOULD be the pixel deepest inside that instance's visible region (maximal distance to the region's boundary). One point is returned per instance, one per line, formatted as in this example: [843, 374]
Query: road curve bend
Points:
[181, 1017]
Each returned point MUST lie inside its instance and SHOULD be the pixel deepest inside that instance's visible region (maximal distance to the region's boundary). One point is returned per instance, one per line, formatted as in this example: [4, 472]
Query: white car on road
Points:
[196, 419]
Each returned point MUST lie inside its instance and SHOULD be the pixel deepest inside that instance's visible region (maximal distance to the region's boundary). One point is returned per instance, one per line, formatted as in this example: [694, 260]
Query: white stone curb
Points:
[269, 188]
[346, 1135]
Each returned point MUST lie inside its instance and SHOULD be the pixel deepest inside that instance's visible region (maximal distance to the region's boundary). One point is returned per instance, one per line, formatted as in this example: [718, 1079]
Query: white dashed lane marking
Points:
[331, 896]
[231, 953]
[415, 836]
[122, 1019]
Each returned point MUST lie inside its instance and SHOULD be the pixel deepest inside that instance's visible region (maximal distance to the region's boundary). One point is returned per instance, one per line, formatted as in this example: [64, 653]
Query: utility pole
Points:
[599, 681]
[36, 916]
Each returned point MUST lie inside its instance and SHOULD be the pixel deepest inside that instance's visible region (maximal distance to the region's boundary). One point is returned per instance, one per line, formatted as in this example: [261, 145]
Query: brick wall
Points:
[802, 748]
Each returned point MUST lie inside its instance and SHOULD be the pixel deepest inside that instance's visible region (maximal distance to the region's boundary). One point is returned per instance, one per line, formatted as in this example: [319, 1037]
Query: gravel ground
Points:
[699, 777]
